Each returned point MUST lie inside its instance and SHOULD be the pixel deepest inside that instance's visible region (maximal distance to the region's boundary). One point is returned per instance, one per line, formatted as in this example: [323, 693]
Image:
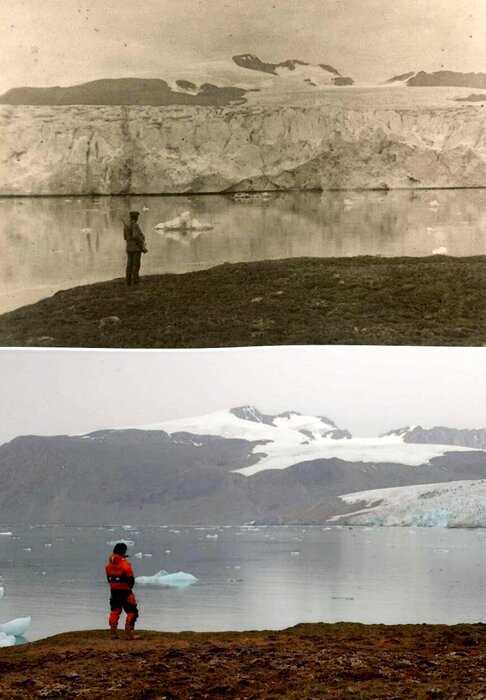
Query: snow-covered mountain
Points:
[231, 466]
[295, 71]
[454, 504]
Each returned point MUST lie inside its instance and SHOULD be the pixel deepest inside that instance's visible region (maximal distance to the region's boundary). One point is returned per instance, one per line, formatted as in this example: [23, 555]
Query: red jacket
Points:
[119, 573]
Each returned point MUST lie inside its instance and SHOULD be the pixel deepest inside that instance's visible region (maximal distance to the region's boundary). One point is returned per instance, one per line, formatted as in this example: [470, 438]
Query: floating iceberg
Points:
[140, 555]
[212, 537]
[6, 640]
[17, 627]
[251, 196]
[178, 579]
[440, 251]
[6, 534]
[183, 222]
[2, 592]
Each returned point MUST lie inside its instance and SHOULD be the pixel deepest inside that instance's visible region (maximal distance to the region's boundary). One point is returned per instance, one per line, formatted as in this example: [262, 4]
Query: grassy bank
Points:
[305, 662]
[364, 300]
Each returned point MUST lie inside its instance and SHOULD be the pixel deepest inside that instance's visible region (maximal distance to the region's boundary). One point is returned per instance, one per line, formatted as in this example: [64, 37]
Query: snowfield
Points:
[451, 504]
[293, 438]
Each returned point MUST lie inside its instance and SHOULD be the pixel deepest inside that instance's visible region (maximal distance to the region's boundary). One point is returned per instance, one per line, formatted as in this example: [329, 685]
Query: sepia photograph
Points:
[243, 515]
[176, 173]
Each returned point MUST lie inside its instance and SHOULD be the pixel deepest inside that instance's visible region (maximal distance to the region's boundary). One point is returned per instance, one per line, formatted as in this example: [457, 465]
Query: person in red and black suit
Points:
[119, 574]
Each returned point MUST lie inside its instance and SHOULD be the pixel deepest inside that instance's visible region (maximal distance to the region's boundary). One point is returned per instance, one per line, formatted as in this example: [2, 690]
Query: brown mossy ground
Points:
[305, 662]
[360, 301]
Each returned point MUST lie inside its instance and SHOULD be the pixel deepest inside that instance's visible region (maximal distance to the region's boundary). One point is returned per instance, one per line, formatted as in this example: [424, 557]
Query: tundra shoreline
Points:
[436, 300]
[305, 662]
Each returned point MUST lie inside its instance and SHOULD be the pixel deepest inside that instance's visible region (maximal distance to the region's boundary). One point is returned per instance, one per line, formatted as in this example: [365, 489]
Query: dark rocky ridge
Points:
[123, 91]
[440, 435]
[252, 62]
[441, 78]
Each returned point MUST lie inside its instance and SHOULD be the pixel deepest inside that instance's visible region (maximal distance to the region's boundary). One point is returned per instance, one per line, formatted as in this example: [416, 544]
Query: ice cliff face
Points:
[456, 504]
[120, 149]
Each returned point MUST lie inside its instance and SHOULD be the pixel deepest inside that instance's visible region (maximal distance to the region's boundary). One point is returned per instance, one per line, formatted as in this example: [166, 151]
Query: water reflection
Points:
[48, 244]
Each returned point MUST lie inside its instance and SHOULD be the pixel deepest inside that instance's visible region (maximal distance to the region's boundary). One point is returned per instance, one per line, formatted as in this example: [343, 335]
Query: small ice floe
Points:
[48, 545]
[142, 555]
[434, 204]
[440, 251]
[348, 203]
[251, 196]
[6, 534]
[175, 532]
[129, 543]
[87, 230]
[295, 554]
[17, 627]
[179, 579]
[212, 537]
[127, 527]
[145, 209]
[168, 551]
[183, 222]
[341, 597]
[2, 592]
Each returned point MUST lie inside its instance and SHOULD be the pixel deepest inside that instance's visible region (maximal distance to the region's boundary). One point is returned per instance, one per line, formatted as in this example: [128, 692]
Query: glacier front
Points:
[451, 504]
[380, 138]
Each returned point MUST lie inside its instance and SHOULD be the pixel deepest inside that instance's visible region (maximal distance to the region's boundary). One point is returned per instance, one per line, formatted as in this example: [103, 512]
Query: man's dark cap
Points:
[134, 214]
[120, 548]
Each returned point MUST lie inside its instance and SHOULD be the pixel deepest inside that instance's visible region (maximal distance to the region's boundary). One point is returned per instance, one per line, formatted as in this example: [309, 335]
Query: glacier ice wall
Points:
[120, 149]
[450, 504]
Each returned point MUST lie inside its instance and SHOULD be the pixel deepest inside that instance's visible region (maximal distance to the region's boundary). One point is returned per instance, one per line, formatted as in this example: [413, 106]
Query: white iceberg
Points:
[212, 537]
[183, 222]
[141, 555]
[440, 251]
[179, 579]
[6, 534]
[6, 640]
[17, 627]
[2, 592]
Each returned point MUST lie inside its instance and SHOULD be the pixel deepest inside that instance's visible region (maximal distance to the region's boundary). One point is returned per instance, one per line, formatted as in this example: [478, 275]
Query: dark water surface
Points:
[47, 244]
[260, 578]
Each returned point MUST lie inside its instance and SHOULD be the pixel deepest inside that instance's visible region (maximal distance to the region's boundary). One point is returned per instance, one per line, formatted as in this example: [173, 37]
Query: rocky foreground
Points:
[363, 301]
[306, 662]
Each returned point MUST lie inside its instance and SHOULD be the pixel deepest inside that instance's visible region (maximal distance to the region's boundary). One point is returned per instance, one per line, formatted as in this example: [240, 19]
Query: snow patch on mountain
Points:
[450, 504]
[392, 449]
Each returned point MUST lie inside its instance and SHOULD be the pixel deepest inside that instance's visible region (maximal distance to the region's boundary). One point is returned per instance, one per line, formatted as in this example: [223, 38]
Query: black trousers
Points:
[133, 267]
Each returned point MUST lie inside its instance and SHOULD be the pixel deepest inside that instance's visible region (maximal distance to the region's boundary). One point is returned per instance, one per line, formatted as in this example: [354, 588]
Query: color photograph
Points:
[317, 512]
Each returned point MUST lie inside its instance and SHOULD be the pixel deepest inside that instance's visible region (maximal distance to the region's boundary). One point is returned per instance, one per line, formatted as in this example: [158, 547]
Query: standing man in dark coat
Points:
[135, 247]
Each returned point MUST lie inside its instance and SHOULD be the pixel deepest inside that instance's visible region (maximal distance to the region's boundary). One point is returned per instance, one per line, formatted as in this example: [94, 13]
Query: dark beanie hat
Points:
[120, 548]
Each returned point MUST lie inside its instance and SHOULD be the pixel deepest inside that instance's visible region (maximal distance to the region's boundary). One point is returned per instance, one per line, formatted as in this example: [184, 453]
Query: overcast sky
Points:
[46, 42]
[368, 390]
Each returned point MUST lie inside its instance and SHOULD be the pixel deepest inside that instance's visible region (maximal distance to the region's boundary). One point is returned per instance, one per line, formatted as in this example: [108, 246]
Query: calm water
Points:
[249, 579]
[50, 244]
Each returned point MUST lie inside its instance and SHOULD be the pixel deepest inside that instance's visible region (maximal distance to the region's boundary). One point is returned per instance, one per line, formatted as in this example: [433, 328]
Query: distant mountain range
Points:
[229, 467]
[125, 91]
[158, 92]
[441, 78]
